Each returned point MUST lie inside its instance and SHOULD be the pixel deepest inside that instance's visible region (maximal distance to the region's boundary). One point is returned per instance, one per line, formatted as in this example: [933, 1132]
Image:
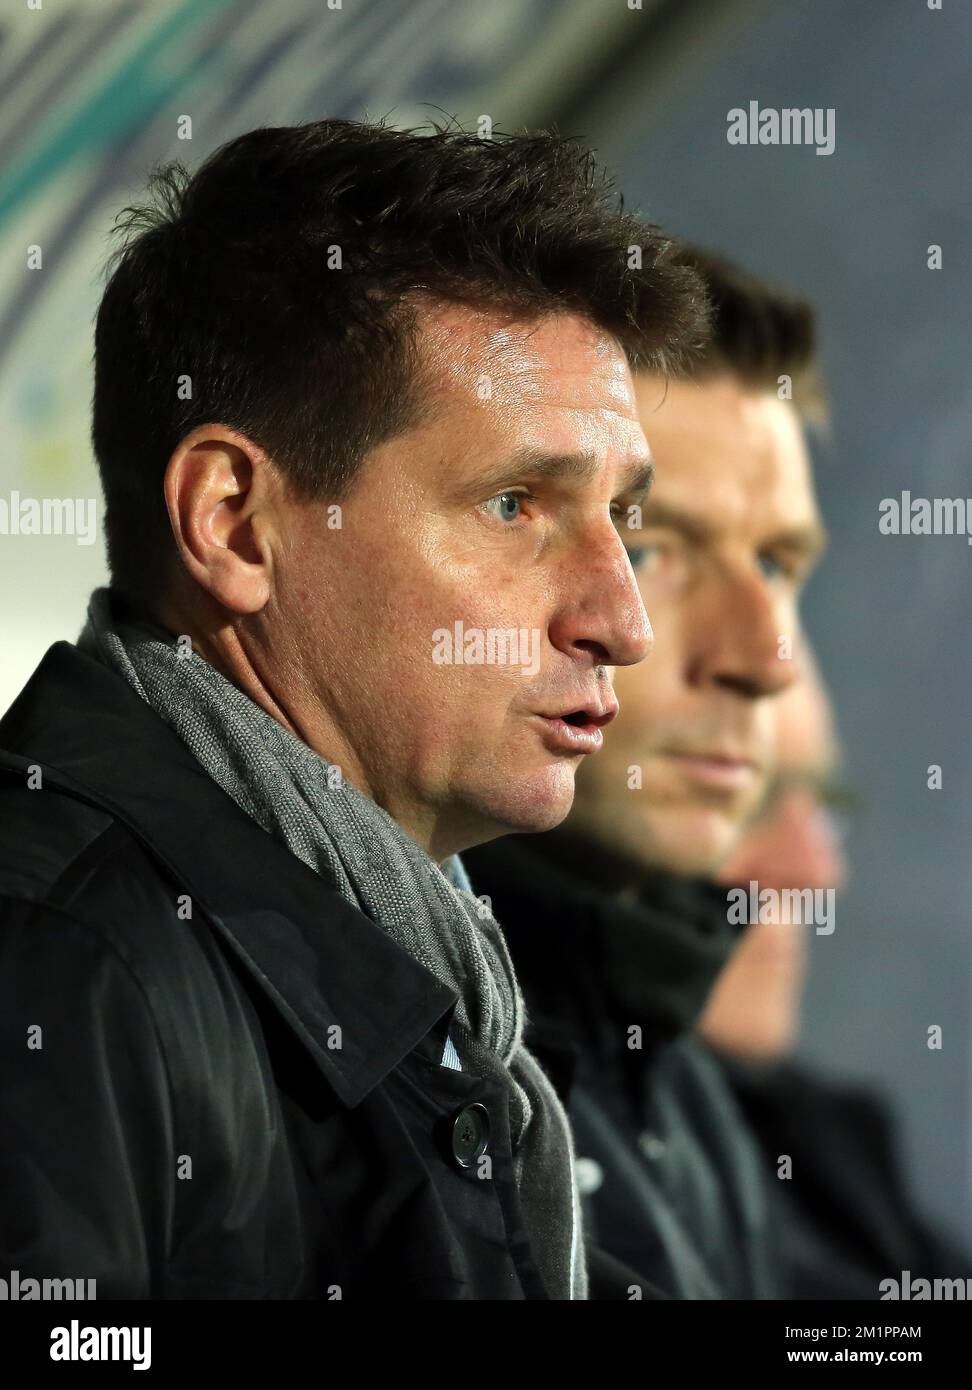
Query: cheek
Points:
[671, 617]
[638, 689]
[788, 624]
[649, 696]
[433, 590]
[764, 722]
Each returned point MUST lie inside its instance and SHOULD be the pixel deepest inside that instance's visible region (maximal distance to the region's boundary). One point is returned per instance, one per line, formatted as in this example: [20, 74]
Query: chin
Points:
[707, 844]
[531, 804]
[690, 842]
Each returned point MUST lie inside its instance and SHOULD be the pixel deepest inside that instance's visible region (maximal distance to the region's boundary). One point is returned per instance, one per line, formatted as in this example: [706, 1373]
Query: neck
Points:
[245, 655]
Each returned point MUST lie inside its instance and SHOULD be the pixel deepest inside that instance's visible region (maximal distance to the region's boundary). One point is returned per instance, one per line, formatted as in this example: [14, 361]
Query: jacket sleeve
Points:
[85, 1109]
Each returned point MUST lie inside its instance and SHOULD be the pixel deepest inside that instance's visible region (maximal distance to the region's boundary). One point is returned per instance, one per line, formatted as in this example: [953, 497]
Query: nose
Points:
[603, 614]
[748, 642]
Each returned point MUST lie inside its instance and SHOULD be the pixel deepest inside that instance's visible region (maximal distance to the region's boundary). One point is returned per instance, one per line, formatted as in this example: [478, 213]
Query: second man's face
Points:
[729, 535]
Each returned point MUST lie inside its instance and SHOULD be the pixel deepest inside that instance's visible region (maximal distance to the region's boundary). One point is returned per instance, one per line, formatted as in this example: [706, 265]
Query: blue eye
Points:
[505, 499]
[771, 568]
[638, 554]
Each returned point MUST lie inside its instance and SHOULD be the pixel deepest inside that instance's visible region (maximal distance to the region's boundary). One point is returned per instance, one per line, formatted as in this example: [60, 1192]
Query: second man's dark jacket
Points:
[675, 1184]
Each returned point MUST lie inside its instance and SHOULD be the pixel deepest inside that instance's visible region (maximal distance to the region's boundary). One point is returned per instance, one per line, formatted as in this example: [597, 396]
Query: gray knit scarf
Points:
[358, 849]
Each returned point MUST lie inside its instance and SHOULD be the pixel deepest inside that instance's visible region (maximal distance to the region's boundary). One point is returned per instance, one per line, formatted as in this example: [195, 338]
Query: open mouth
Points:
[576, 730]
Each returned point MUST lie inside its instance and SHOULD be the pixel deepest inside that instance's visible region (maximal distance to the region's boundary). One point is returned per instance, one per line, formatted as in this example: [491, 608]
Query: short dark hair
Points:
[270, 292]
[759, 332]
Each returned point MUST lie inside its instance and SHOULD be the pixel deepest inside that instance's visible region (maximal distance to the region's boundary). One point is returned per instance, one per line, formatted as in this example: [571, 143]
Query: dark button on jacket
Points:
[217, 1078]
[470, 1135]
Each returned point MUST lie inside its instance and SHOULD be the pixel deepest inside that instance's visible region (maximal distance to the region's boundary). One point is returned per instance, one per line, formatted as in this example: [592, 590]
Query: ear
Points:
[220, 491]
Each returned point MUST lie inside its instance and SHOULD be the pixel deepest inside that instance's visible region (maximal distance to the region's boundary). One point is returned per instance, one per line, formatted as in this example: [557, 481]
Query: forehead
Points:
[557, 379]
[729, 453]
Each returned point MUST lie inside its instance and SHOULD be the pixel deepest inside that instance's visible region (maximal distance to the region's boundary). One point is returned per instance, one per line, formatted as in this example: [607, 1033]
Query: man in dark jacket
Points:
[845, 1219]
[614, 980]
[616, 938]
[366, 425]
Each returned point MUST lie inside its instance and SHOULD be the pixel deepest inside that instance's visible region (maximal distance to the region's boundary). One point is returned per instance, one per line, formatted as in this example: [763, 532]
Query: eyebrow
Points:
[809, 540]
[637, 475]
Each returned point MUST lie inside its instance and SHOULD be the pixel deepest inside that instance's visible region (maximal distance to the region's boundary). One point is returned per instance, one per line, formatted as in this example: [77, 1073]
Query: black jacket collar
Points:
[320, 960]
[597, 959]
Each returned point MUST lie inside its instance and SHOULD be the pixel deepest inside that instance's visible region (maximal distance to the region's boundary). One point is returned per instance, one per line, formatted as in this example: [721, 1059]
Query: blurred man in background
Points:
[617, 937]
[793, 841]
[844, 1218]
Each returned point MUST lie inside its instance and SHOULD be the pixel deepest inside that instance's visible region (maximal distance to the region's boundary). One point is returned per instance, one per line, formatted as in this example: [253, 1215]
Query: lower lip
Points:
[562, 737]
[714, 772]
